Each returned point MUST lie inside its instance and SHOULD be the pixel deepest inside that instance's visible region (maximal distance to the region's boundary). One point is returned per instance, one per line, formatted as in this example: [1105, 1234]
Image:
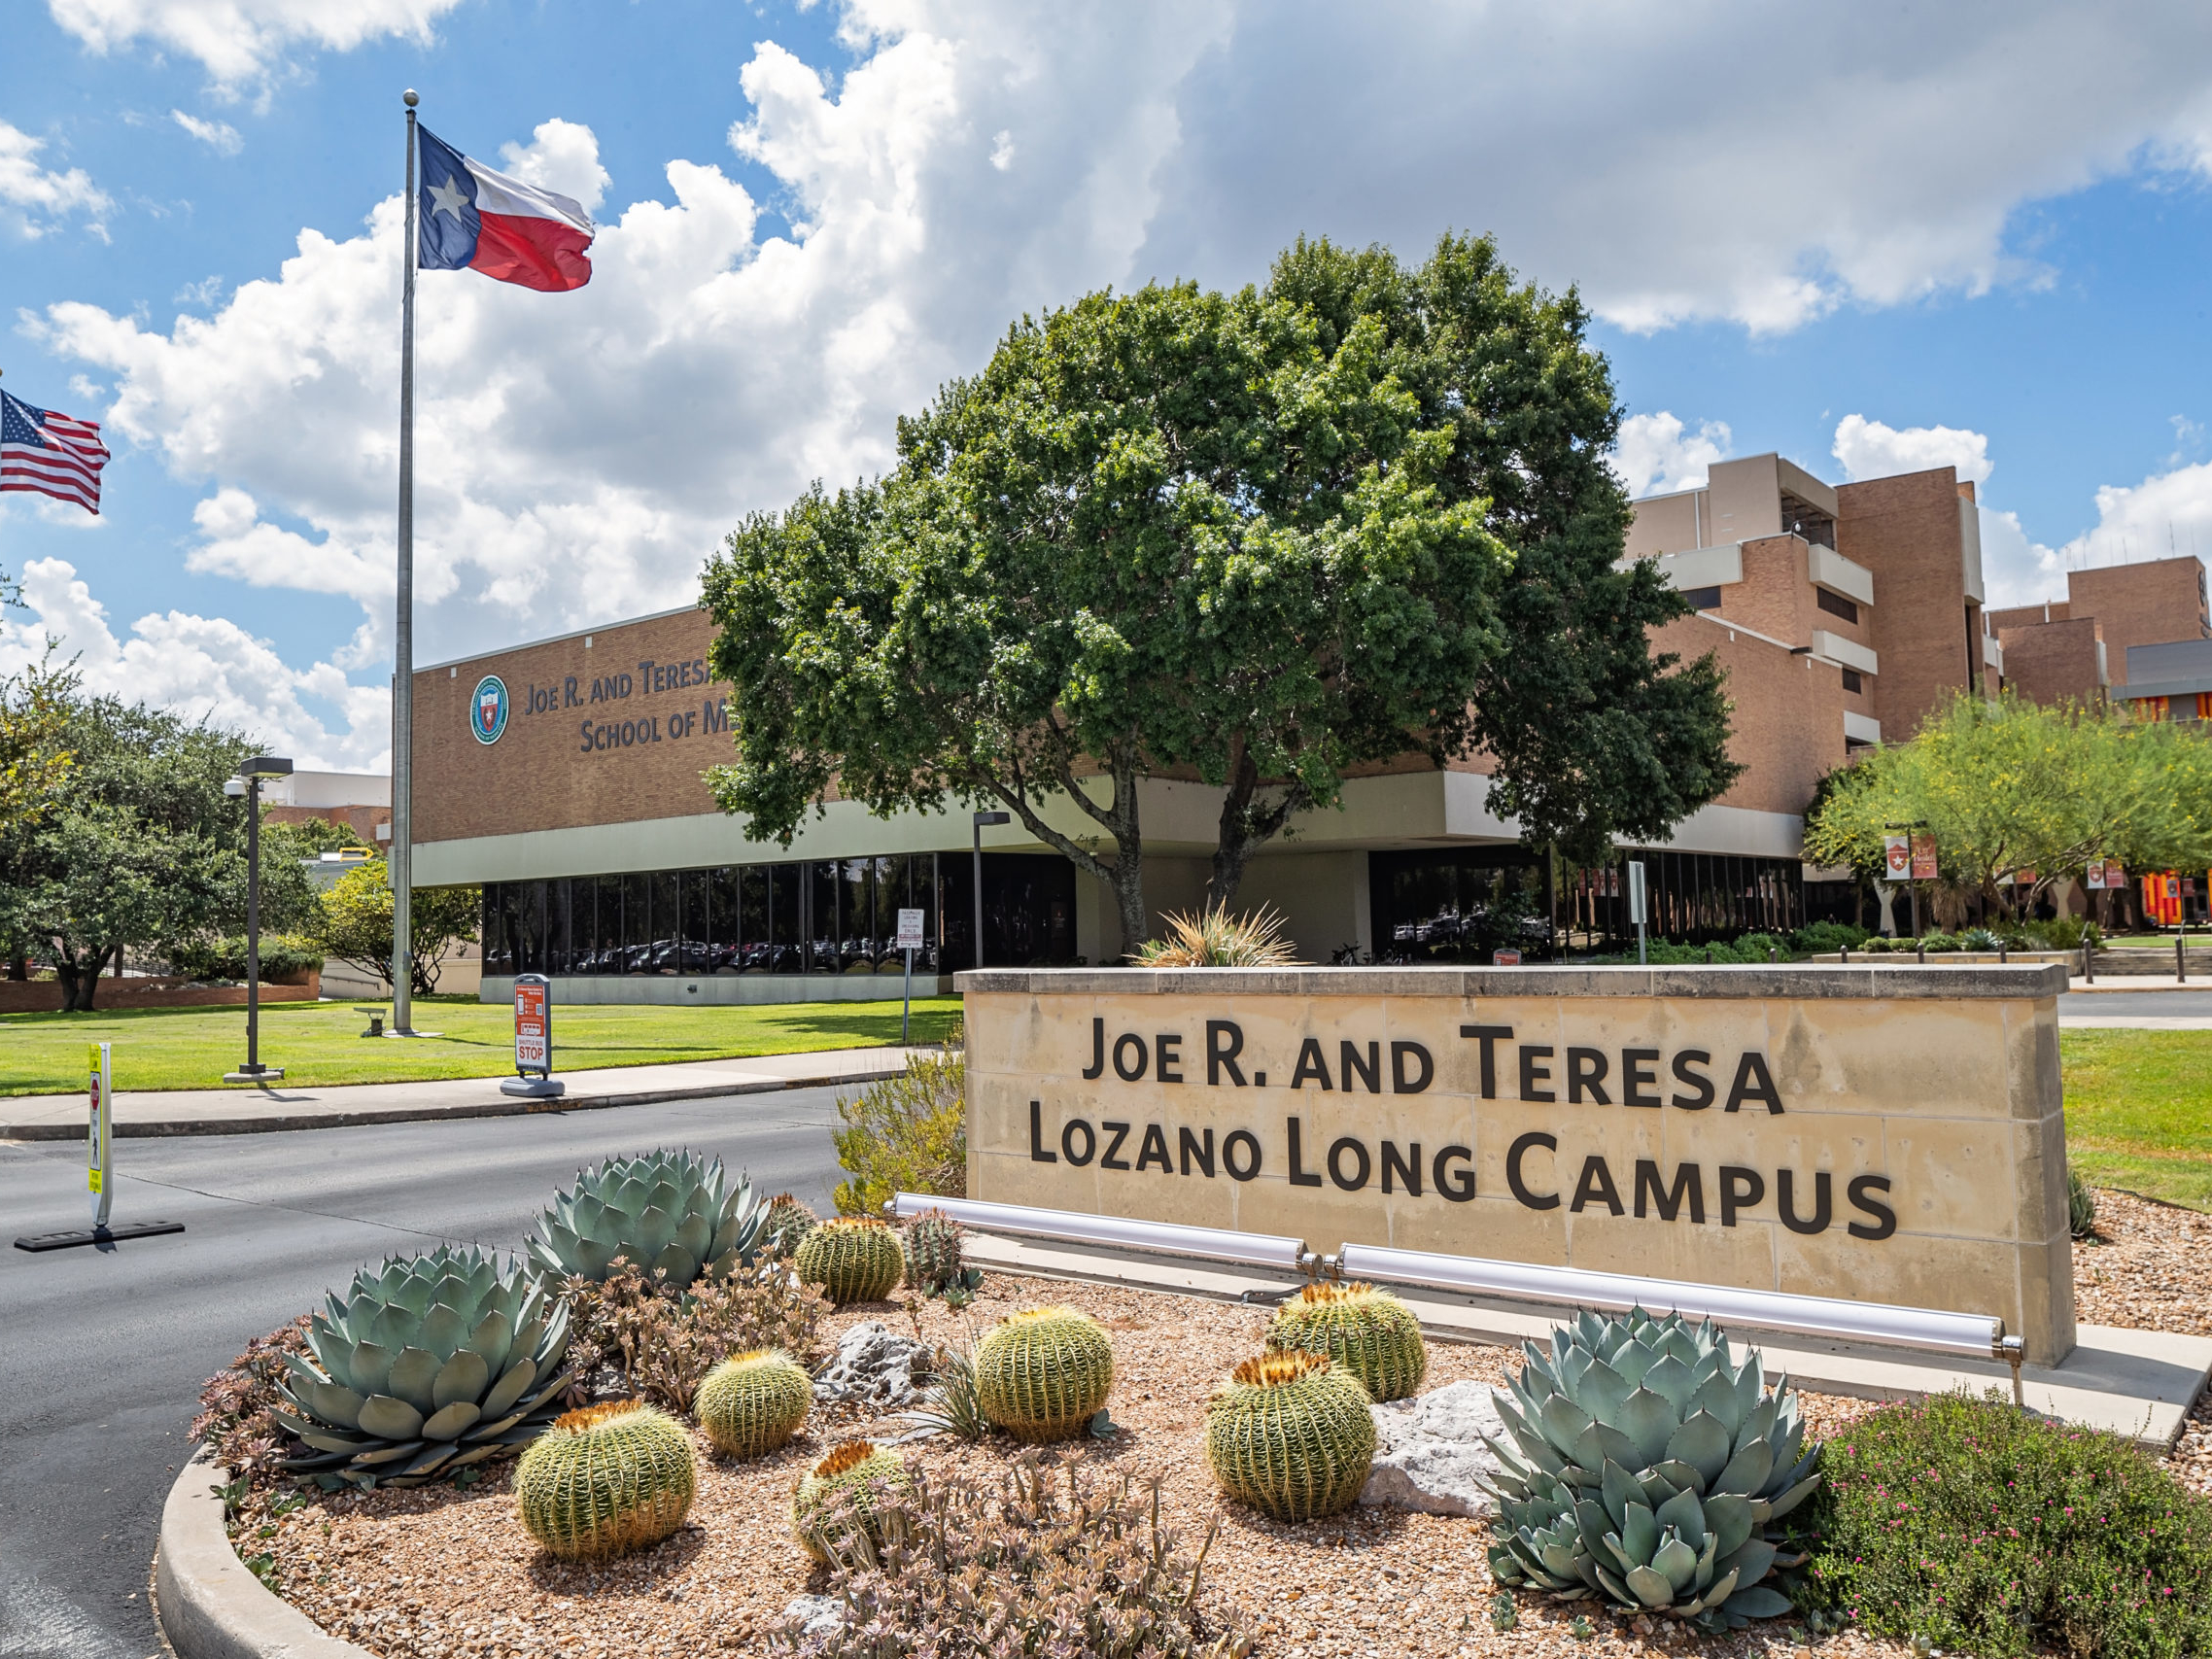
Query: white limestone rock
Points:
[817, 1616]
[874, 1366]
[1429, 1452]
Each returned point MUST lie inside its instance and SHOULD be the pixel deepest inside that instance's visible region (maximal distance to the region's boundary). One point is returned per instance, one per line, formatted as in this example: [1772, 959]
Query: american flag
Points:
[55, 454]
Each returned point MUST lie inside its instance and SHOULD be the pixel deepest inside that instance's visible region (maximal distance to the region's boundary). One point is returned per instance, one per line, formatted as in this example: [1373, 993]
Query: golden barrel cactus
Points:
[1044, 1374]
[1368, 1332]
[1290, 1434]
[752, 1403]
[854, 1258]
[854, 1466]
[607, 1480]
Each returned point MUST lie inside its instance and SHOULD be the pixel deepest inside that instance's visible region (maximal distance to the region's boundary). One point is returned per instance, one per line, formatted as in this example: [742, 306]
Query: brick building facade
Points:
[565, 776]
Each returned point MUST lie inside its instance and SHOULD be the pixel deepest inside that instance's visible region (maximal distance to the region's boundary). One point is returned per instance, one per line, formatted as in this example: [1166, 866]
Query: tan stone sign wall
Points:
[1891, 1134]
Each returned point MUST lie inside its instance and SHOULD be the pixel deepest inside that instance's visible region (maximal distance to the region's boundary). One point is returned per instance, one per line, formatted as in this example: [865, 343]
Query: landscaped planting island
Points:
[444, 1569]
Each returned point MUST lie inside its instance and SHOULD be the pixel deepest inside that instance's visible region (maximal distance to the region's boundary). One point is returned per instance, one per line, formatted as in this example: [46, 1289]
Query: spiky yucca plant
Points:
[667, 1212]
[605, 1480]
[752, 1403]
[429, 1364]
[854, 1258]
[1216, 939]
[854, 1466]
[1368, 1332]
[1042, 1374]
[787, 1222]
[1644, 1466]
[1291, 1435]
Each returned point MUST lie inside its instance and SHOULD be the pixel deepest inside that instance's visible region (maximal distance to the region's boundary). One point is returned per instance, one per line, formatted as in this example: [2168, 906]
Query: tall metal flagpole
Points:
[401, 859]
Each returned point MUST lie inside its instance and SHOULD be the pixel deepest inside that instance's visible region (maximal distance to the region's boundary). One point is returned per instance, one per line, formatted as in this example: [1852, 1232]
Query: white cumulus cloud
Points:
[579, 455]
[1657, 454]
[1869, 449]
[239, 42]
[203, 668]
[34, 199]
[219, 136]
[2167, 515]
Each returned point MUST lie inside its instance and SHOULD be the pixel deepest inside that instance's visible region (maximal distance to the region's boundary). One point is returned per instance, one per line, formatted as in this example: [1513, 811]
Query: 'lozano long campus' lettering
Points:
[1805, 1202]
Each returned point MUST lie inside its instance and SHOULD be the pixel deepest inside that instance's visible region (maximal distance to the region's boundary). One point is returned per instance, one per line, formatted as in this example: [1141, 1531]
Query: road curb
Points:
[504, 1108]
[209, 1606]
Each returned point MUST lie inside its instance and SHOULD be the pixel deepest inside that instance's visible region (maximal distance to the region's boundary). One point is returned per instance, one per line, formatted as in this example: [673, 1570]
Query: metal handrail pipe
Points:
[1167, 1238]
[1979, 1335]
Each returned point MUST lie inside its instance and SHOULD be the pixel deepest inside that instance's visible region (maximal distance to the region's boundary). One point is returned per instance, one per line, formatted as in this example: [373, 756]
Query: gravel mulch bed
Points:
[432, 1574]
[2149, 1268]
[436, 1574]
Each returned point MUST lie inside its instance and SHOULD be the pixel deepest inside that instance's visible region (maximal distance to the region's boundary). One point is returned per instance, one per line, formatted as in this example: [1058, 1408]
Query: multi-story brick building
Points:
[1882, 578]
[565, 777]
[2079, 646]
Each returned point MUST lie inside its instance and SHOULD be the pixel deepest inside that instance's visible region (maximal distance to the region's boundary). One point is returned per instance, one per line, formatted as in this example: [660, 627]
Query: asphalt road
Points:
[102, 1355]
[2129, 1005]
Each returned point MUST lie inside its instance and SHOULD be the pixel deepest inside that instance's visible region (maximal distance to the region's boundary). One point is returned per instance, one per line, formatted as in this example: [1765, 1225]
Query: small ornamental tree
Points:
[1264, 538]
[355, 923]
[2006, 785]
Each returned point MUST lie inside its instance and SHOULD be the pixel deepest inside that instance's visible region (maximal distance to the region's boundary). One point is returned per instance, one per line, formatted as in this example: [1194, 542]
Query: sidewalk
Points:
[279, 1106]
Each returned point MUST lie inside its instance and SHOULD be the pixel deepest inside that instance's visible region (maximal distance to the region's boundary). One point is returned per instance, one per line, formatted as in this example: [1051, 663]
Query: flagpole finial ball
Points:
[410, 98]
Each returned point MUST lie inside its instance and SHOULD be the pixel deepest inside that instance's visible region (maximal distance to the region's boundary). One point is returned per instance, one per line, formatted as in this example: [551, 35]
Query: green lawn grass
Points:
[2139, 1111]
[319, 1042]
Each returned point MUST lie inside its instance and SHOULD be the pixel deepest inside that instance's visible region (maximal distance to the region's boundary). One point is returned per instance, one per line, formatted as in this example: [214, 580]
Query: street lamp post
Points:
[248, 783]
[983, 819]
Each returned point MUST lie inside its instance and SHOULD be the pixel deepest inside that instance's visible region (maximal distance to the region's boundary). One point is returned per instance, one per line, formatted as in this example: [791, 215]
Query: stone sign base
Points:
[1883, 1135]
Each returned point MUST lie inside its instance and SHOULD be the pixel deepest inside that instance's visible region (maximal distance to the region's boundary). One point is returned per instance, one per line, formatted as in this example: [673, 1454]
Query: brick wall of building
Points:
[2045, 661]
[2141, 604]
[616, 731]
[1906, 530]
[1787, 713]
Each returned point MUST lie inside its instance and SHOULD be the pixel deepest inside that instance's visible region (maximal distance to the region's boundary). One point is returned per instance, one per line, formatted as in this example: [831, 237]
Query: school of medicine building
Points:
[563, 777]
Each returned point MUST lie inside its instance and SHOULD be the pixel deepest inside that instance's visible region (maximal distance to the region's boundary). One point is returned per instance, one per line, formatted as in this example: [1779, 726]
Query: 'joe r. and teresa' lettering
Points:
[1586, 1076]
[1543, 1074]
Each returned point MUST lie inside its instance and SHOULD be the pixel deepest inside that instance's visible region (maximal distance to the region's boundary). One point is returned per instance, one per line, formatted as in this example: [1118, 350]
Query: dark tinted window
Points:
[1834, 605]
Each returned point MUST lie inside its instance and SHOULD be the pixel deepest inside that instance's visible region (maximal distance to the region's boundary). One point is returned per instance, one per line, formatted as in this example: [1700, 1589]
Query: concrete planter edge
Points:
[209, 1606]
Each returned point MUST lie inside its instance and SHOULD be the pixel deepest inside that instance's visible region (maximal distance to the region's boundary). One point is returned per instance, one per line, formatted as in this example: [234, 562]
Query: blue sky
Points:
[1978, 240]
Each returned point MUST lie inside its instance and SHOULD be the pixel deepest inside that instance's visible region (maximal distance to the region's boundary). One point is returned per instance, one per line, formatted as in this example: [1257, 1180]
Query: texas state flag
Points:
[473, 219]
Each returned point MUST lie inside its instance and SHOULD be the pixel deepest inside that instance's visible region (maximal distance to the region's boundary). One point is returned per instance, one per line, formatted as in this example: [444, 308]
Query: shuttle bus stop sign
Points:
[100, 1138]
[100, 1166]
[909, 942]
[534, 1077]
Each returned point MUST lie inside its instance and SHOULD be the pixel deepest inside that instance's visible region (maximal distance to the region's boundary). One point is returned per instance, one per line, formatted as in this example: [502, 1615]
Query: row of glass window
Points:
[806, 917]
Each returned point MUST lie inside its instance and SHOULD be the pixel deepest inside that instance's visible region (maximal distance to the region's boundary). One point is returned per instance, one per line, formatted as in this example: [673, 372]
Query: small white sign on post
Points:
[909, 942]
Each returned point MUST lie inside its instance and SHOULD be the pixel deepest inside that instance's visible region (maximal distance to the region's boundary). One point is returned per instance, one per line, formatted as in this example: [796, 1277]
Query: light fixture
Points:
[1208, 1243]
[247, 784]
[1929, 1330]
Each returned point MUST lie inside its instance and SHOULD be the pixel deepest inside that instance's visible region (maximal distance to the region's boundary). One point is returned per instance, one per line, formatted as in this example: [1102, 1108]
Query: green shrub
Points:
[2063, 933]
[1936, 943]
[907, 1133]
[1989, 1530]
[2081, 1206]
[1817, 938]
[281, 957]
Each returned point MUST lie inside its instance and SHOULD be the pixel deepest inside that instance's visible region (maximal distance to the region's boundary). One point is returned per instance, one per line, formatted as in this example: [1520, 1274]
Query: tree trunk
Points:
[1244, 830]
[79, 981]
[19, 964]
[1125, 875]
